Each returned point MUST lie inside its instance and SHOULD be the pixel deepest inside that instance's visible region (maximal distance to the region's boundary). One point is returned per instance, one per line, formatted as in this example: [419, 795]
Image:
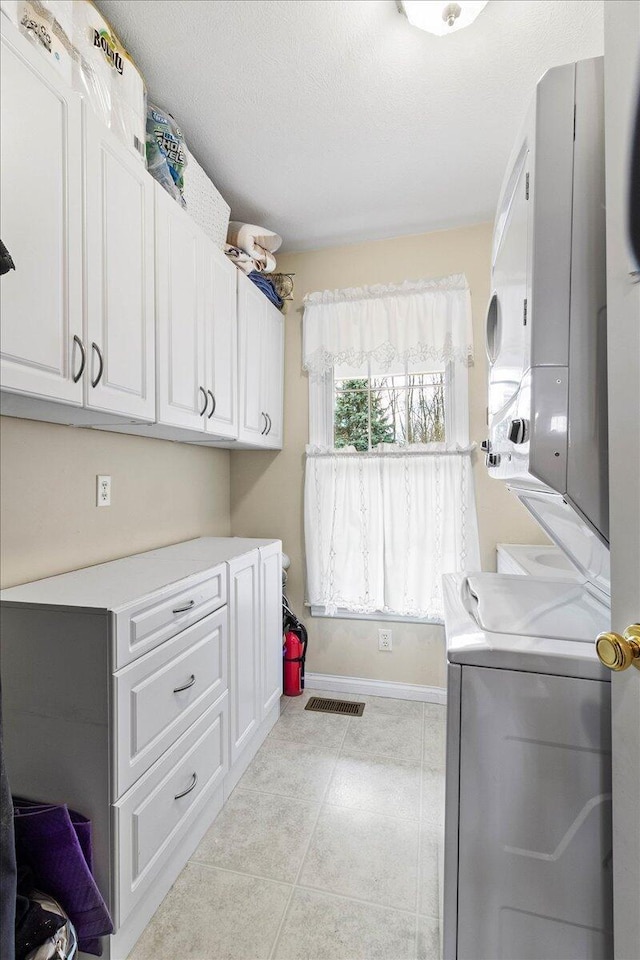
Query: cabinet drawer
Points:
[160, 695]
[152, 818]
[149, 623]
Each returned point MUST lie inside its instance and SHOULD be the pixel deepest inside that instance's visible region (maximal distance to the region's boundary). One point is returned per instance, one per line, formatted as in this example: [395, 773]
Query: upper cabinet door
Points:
[252, 306]
[41, 225]
[221, 337]
[273, 375]
[119, 291]
[182, 397]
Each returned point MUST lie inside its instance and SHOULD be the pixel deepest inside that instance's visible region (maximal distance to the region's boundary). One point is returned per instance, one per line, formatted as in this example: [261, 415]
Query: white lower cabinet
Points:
[163, 678]
[271, 627]
[151, 818]
[244, 652]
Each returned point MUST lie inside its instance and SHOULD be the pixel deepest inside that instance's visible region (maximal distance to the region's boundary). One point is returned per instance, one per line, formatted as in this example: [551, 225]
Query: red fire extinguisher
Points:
[294, 653]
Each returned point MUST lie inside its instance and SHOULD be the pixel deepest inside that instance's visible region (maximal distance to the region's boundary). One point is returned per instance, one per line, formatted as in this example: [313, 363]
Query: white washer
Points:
[528, 803]
[535, 560]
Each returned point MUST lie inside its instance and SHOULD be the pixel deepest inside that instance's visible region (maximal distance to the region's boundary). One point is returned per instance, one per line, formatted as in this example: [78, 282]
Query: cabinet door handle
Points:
[270, 424]
[186, 686]
[83, 358]
[206, 400]
[186, 607]
[94, 346]
[213, 404]
[264, 429]
[192, 786]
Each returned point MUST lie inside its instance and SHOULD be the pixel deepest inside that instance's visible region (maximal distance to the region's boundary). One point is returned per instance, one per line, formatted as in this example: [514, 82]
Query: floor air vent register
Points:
[346, 708]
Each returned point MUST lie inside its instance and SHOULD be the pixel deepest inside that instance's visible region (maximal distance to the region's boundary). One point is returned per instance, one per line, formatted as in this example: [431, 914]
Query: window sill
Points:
[342, 614]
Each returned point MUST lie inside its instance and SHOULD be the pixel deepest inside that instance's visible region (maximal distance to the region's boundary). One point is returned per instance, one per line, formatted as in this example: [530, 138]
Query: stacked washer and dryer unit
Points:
[528, 872]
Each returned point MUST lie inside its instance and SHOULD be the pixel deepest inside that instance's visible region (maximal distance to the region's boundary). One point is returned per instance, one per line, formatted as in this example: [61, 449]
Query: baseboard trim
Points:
[375, 688]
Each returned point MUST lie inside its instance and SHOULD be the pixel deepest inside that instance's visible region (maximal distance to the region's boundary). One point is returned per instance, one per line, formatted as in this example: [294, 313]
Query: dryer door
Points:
[507, 332]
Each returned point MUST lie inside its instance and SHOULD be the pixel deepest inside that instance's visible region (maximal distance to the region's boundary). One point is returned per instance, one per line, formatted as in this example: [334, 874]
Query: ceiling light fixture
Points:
[439, 16]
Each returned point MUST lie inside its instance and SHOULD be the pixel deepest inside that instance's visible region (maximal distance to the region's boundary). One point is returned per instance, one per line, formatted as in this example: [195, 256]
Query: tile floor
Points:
[328, 849]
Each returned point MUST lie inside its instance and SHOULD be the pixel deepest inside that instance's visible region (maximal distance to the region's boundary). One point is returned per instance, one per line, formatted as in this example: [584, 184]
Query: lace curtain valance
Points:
[415, 320]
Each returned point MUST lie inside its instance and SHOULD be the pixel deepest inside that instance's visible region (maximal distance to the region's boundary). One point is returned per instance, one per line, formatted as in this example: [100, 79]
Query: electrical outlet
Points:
[385, 640]
[103, 491]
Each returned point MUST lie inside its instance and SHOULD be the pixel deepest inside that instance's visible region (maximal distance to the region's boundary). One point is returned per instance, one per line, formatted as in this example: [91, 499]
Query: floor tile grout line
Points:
[312, 832]
[338, 806]
[360, 900]
[241, 873]
[308, 886]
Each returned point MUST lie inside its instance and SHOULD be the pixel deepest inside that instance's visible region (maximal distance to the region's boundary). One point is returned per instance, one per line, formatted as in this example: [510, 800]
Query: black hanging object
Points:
[6, 261]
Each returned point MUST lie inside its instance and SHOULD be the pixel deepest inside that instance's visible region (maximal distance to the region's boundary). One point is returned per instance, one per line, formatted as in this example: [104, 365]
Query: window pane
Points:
[383, 416]
[425, 409]
[351, 420]
[407, 408]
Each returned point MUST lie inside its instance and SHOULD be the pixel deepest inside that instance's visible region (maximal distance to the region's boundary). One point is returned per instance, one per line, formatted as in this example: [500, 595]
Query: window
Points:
[389, 499]
[411, 404]
[405, 408]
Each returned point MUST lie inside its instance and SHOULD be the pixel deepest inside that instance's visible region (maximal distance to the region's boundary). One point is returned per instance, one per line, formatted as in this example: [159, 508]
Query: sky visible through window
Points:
[402, 408]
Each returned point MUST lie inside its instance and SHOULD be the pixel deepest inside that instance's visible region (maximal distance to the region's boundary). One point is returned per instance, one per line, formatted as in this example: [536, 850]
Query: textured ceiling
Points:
[333, 121]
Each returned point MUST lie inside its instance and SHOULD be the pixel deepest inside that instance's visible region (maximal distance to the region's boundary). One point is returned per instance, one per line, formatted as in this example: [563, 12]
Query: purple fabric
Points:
[56, 844]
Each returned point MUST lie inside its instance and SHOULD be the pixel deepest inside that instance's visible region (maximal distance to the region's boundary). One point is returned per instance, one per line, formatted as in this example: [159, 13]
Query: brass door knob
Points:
[618, 653]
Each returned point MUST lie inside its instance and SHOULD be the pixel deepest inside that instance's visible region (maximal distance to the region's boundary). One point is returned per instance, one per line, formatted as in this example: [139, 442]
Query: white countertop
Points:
[114, 585]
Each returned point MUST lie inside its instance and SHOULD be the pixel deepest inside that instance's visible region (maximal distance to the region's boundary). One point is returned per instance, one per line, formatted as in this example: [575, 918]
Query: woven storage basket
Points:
[207, 207]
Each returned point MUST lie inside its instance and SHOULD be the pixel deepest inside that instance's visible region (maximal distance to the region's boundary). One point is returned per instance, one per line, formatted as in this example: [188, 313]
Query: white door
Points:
[221, 344]
[271, 623]
[41, 346]
[244, 650]
[622, 43]
[252, 306]
[119, 271]
[182, 397]
[273, 374]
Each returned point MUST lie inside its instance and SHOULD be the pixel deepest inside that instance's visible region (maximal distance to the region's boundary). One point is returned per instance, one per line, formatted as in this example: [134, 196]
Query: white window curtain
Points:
[415, 320]
[382, 528]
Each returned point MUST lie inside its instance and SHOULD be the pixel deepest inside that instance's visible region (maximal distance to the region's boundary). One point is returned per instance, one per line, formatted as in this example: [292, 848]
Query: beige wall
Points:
[161, 492]
[266, 488]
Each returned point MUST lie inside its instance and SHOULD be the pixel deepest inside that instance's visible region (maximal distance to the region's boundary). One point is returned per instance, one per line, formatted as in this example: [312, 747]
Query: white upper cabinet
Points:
[261, 334]
[273, 374]
[251, 328]
[121, 313]
[42, 349]
[119, 288]
[221, 342]
[182, 396]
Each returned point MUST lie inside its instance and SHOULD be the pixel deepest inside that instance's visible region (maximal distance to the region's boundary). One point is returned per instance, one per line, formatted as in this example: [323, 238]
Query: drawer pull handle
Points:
[187, 685]
[192, 786]
[186, 607]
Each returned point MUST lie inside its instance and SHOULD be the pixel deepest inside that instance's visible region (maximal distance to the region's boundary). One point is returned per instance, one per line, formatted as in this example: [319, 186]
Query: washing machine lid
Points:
[528, 607]
[569, 531]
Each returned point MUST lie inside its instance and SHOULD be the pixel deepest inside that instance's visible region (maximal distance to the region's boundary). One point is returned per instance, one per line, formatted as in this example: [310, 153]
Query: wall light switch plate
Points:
[103, 491]
[385, 640]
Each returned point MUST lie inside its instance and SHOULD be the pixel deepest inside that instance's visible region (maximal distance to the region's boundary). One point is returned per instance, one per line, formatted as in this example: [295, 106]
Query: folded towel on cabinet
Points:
[258, 242]
[266, 284]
